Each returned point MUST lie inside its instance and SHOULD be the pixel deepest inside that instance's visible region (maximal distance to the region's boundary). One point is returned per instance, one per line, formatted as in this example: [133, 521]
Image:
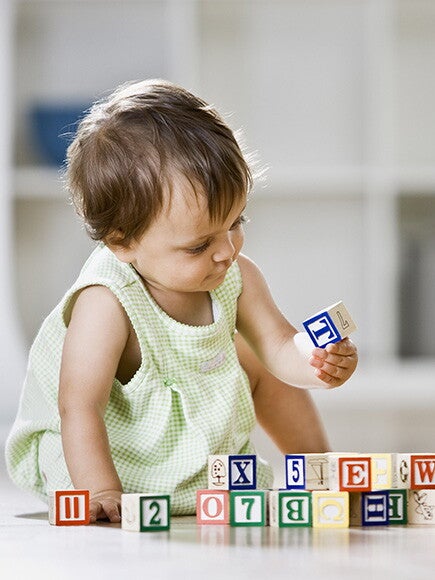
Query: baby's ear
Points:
[117, 243]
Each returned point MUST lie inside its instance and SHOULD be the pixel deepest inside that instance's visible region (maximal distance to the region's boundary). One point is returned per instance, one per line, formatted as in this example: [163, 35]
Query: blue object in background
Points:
[54, 127]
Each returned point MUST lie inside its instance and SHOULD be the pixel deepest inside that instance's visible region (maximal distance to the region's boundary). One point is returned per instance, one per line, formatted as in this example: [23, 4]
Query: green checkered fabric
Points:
[189, 399]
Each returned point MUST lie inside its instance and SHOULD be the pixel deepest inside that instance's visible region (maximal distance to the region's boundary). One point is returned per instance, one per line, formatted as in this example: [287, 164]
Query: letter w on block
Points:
[422, 471]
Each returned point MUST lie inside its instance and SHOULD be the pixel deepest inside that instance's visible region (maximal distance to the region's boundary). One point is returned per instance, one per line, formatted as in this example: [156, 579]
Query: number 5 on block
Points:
[145, 512]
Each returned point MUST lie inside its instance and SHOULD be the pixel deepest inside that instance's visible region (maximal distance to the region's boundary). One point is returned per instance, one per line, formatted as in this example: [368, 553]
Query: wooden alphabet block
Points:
[421, 506]
[212, 507]
[381, 471]
[295, 472]
[235, 472]
[347, 473]
[330, 509]
[218, 472]
[145, 512]
[242, 472]
[370, 508]
[68, 507]
[398, 510]
[248, 508]
[316, 471]
[401, 469]
[290, 509]
[329, 325]
[422, 471]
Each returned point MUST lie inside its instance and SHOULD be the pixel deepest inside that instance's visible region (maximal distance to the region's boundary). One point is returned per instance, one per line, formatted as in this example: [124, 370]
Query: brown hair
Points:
[129, 148]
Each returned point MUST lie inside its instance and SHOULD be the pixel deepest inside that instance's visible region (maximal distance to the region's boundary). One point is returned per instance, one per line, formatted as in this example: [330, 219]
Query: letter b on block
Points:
[290, 509]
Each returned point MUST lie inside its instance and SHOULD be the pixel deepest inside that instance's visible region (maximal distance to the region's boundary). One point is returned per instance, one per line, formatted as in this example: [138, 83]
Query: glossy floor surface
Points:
[30, 548]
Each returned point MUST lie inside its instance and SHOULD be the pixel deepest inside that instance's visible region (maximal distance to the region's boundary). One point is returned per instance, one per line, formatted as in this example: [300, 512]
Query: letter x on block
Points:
[243, 472]
[71, 507]
[354, 473]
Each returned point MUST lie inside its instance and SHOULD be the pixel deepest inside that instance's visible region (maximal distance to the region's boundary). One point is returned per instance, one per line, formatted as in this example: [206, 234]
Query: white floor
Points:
[31, 548]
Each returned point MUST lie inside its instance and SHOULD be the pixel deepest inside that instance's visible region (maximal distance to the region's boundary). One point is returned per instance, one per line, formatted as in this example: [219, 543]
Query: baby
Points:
[139, 374]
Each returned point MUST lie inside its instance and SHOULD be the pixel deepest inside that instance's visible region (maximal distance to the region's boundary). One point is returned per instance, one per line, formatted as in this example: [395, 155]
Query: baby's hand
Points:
[106, 505]
[335, 363]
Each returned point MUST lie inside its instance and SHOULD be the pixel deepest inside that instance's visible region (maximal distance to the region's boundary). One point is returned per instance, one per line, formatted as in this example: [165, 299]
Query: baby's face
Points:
[182, 251]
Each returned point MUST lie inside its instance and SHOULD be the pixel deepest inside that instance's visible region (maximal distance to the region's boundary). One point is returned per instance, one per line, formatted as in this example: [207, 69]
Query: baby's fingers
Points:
[105, 509]
[343, 348]
[112, 511]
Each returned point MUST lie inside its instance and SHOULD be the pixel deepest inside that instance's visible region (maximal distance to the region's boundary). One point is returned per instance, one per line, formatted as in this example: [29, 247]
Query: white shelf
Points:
[391, 385]
[45, 182]
[37, 182]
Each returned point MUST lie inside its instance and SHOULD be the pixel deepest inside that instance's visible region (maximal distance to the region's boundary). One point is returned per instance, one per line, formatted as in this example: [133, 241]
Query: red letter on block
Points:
[72, 508]
[422, 472]
[354, 473]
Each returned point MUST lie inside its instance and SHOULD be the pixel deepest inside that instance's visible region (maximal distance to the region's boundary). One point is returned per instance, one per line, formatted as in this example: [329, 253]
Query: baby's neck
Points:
[192, 308]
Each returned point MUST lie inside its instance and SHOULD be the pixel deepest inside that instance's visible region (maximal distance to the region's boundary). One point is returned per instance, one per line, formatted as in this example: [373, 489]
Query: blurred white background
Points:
[336, 96]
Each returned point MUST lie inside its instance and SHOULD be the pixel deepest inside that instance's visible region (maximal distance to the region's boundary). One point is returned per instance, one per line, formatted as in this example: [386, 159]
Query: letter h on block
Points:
[329, 325]
[68, 507]
[370, 508]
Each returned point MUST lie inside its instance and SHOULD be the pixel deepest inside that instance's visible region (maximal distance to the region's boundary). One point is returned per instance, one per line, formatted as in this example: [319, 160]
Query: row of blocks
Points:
[318, 509]
[371, 481]
[279, 508]
[351, 472]
[140, 512]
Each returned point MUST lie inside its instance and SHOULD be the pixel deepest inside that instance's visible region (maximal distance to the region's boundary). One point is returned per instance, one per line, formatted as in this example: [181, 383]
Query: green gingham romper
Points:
[189, 398]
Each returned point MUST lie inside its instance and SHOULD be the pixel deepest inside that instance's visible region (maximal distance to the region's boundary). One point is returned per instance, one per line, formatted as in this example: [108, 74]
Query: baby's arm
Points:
[275, 340]
[287, 414]
[95, 339]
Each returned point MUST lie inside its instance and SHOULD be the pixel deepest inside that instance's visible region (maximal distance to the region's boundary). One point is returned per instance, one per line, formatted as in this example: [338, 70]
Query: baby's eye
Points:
[242, 219]
[199, 249]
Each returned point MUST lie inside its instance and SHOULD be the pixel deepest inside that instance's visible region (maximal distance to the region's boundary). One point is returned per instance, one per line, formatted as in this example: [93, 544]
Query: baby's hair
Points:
[130, 148]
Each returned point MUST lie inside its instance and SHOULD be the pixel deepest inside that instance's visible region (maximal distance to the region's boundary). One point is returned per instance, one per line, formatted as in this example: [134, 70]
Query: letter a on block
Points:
[69, 507]
[422, 472]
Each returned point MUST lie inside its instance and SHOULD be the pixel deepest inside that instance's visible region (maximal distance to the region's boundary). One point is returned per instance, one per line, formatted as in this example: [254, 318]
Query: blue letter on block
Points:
[243, 471]
[322, 330]
[295, 472]
[375, 508]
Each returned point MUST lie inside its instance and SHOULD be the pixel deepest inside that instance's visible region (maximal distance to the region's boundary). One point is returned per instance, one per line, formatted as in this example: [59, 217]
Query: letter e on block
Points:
[354, 473]
[69, 507]
[212, 507]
